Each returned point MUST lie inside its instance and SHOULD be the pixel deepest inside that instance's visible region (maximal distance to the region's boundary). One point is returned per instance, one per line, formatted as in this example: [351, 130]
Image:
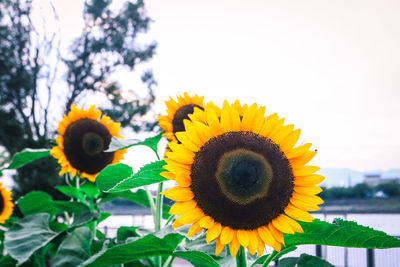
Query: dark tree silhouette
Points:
[30, 63]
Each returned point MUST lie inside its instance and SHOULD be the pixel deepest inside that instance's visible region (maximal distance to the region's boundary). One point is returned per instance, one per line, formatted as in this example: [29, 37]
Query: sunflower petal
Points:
[226, 235]
[298, 214]
[179, 193]
[234, 246]
[243, 237]
[194, 229]
[213, 232]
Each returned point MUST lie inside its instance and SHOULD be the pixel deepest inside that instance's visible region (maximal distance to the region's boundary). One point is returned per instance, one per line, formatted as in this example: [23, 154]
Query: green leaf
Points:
[84, 218]
[36, 202]
[120, 177]
[124, 232]
[28, 235]
[304, 260]
[71, 207]
[144, 247]
[151, 142]
[197, 258]
[72, 192]
[341, 233]
[7, 261]
[103, 216]
[26, 156]
[98, 252]
[140, 197]
[74, 249]
[284, 251]
[90, 190]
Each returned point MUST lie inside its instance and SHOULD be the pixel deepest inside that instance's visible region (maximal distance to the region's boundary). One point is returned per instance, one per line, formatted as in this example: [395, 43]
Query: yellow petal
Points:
[187, 142]
[248, 118]
[278, 236]
[281, 134]
[298, 214]
[194, 229]
[179, 193]
[206, 222]
[303, 159]
[253, 243]
[182, 207]
[292, 223]
[226, 120]
[295, 152]
[303, 204]
[308, 180]
[213, 122]
[226, 235]
[260, 247]
[304, 170]
[234, 246]
[289, 141]
[191, 216]
[213, 232]
[243, 237]
[180, 157]
[266, 235]
[309, 198]
[177, 224]
[308, 190]
[269, 124]
[219, 247]
[167, 175]
[282, 225]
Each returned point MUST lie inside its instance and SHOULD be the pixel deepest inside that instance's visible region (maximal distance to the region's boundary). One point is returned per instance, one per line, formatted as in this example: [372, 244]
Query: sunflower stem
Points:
[158, 216]
[270, 258]
[169, 220]
[241, 260]
[151, 201]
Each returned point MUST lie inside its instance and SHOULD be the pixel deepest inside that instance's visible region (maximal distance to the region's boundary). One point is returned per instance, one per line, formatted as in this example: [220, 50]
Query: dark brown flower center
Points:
[2, 202]
[241, 180]
[84, 143]
[183, 114]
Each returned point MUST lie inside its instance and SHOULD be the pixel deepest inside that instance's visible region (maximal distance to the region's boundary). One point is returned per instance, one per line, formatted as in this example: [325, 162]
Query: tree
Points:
[30, 63]
[391, 189]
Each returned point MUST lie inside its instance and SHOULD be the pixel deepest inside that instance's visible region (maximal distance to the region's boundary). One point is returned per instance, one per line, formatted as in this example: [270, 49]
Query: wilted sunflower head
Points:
[84, 136]
[177, 112]
[240, 177]
[6, 205]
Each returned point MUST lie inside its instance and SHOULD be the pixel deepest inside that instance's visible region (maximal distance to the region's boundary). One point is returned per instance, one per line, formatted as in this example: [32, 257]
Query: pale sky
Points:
[330, 67]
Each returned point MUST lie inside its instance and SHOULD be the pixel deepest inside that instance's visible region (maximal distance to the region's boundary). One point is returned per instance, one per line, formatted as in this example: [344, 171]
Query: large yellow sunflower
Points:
[84, 136]
[177, 112]
[6, 205]
[240, 177]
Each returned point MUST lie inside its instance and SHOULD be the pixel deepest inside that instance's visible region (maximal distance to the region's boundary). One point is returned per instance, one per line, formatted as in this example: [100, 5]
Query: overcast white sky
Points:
[330, 67]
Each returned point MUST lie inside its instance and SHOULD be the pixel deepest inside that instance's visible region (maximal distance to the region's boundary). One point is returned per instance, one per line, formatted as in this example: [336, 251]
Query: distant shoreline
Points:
[373, 205]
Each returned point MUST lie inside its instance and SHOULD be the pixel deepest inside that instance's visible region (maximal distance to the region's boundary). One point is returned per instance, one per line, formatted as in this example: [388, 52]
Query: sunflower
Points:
[84, 136]
[177, 112]
[240, 178]
[6, 205]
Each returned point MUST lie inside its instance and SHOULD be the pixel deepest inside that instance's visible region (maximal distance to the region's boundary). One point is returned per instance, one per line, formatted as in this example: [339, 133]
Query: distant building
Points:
[374, 179]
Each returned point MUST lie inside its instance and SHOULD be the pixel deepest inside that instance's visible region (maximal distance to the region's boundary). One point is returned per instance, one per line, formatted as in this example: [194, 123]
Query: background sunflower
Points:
[240, 177]
[84, 136]
[6, 204]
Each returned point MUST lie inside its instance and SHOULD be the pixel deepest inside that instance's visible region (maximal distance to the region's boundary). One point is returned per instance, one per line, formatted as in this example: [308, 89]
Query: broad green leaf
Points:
[263, 258]
[144, 247]
[103, 216]
[58, 227]
[151, 142]
[36, 202]
[72, 207]
[304, 260]
[197, 258]
[96, 251]
[28, 235]
[90, 190]
[74, 249]
[140, 197]
[84, 218]
[124, 232]
[72, 192]
[26, 156]
[341, 233]
[120, 177]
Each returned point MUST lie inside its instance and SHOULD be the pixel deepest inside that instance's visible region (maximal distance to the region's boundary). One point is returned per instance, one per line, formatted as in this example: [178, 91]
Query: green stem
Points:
[151, 201]
[170, 218]
[169, 261]
[270, 258]
[241, 258]
[159, 203]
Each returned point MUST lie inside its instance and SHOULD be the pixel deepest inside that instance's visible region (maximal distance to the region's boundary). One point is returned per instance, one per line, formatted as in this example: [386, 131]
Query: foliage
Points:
[31, 62]
[66, 233]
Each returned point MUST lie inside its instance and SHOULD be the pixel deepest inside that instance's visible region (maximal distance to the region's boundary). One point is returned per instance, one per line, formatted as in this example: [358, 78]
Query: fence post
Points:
[318, 251]
[370, 257]
[105, 230]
